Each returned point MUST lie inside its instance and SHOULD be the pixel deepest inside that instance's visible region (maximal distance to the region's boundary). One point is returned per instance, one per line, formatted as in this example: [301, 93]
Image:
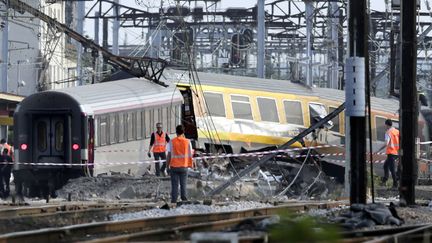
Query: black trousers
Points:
[159, 156]
[390, 165]
[178, 177]
[6, 175]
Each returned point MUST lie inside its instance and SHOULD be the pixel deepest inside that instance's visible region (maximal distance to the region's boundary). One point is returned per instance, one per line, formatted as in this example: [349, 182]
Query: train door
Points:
[49, 139]
[188, 114]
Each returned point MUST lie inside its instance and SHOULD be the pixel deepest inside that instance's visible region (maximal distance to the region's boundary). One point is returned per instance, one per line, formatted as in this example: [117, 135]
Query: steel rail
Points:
[112, 228]
[181, 232]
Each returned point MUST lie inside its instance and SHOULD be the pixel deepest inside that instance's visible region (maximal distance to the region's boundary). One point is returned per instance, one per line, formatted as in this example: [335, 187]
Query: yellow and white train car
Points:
[233, 112]
[252, 112]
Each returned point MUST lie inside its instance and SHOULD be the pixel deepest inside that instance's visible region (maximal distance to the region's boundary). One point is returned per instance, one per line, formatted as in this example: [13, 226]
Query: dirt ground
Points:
[152, 187]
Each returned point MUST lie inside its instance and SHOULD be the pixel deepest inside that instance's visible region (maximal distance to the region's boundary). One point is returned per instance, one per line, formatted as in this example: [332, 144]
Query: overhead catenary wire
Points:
[195, 82]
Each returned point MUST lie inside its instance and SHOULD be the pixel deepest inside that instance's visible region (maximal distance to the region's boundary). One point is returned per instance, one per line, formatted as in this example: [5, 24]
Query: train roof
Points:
[123, 94]
[276, 86]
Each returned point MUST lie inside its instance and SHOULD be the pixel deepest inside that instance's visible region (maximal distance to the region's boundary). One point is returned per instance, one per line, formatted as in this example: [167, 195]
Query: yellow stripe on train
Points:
[246, 138]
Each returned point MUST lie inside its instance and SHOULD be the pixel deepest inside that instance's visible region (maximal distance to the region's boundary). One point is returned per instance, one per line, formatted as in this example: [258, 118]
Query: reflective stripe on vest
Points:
[159, 145]
[181, 154]
[393, 146]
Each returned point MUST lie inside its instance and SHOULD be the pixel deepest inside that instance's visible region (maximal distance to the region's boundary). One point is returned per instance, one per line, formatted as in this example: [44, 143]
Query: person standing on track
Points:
[178, 161]
[392, 151]
[6, 170]
[5, 145]
[158, 142]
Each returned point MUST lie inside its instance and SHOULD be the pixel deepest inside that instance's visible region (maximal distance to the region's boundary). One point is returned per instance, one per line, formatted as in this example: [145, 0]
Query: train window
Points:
[293, 112]
[130, 126]
[380, 128]
[336, 126]
[113, 131]
[121, 127]
[155, 118]
[158, 116]
[215, 104]
[165, 119]
[175, 116]
[268, 110]
[103, 131]
[139, 124]
[147, 123]
[241, 107]
[42, 136]
[144, 131]
[59, 135]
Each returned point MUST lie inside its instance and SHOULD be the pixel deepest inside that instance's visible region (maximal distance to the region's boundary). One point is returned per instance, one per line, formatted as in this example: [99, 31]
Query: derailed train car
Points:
[251, 113]
[66, 127]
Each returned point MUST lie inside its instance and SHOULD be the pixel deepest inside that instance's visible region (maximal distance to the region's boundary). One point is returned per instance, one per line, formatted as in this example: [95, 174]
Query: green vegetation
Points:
[292, 228]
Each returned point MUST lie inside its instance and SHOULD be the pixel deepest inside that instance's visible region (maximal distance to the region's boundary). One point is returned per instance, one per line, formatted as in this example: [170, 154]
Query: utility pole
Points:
[408, 101]
[80, 30]
[261, 39]
[341, 47]
[5, 49]
[95, 54]
[116, 28]
[309, 29]
[392, 62]
[355, 96]
[105, 42]
[334, 73]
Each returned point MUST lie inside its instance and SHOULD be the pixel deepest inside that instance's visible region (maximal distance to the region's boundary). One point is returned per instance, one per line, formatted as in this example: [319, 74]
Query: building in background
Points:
[40, 58]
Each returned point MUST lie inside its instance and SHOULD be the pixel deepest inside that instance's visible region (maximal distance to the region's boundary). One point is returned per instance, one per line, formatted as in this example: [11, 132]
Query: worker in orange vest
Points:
[178, 161]
[5, 145]
[158, 142]
[392, 151]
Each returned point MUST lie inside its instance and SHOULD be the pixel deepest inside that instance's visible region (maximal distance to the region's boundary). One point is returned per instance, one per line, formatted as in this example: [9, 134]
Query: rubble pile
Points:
[367, 216]
[301, 178]
[114, 187]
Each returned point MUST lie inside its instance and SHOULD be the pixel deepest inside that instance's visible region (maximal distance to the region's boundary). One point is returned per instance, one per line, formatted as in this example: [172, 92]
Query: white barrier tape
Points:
[426, 142]
[275, 151]
[253, 154]
[343, 161]
[120, 151]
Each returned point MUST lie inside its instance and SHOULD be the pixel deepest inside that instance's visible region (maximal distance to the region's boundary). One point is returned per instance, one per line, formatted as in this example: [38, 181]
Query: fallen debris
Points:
[115, 188]
[367, 216]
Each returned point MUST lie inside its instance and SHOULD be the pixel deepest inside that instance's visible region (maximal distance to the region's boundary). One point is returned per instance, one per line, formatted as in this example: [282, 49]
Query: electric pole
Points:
[5, 49]
[408, 102]
[355, 96]
[261, 39]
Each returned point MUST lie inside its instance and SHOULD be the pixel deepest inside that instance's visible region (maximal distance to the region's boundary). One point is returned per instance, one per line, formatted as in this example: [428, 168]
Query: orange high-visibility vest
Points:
[159, 145]
[393, 145]
[181, 154]
[9, 148]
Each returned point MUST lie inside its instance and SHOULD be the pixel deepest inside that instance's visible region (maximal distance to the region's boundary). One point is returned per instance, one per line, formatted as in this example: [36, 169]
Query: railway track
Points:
[172, 227]
[408, 233]
[14, 219]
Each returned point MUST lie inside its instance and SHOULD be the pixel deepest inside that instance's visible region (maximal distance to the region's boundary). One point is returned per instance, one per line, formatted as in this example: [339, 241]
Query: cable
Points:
[296, 176]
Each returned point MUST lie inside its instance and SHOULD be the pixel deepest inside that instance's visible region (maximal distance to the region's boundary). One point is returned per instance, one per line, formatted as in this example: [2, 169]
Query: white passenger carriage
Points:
[70, 126]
